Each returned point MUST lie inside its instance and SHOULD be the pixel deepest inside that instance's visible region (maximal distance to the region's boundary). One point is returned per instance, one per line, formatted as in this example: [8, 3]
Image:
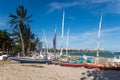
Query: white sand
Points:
[17, 71]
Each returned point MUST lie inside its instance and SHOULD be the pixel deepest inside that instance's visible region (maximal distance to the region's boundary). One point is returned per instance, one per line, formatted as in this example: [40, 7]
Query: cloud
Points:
[100, 1]
[89, 39]
[109, 6]
[113, 7]
[58, 6]
[93, 33]
[111, 30]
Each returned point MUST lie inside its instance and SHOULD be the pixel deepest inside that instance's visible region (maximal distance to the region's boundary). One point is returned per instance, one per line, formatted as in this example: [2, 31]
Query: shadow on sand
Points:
[101, 75]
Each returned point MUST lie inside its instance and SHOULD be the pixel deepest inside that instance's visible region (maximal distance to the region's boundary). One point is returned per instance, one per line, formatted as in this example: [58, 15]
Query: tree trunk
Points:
[22, 40]
[3, 48]
[29, 44]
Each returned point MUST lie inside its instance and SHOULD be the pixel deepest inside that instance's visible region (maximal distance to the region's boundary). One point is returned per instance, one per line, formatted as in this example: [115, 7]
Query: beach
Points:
[12, 70]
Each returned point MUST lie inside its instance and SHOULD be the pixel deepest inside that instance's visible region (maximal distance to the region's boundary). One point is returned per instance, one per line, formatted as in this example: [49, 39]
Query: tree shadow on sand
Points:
[101, 75]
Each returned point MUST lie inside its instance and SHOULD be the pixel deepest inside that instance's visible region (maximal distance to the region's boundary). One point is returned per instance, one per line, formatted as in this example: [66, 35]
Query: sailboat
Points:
[54, 45]
[61, 50]
[34, 59]
[29, 60]
[67, 63]
[67, 45]
[96, 64]
[62, 33]
[45, 46]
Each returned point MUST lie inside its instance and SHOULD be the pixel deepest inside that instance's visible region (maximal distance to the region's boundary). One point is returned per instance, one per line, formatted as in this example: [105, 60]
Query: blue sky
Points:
[81, 17]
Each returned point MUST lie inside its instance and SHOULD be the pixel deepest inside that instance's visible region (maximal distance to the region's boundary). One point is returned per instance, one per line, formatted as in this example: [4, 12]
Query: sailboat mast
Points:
[54, 44]
[98, 46]
[62, 33]
[54, 41]
[67, 45]
[45, 41]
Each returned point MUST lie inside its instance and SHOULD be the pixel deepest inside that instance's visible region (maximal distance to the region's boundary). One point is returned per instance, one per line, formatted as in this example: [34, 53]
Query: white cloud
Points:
[109, 6]
[100, 1]
[59, 6]
[89, 39]
[112, 29]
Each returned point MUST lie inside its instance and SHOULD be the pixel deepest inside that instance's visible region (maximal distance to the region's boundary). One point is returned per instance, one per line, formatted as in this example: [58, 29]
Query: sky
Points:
[82, 17]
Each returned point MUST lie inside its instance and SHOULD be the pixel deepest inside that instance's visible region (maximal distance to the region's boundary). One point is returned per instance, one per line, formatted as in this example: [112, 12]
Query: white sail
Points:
[67, 45]
[46, 45]
[62, 33]
[100, 25]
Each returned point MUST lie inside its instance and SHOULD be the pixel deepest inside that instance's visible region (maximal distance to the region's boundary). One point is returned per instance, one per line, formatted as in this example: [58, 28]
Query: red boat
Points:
[71, 64]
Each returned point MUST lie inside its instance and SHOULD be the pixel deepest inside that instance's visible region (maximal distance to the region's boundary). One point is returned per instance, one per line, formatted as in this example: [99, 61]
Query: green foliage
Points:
[5, 41]
[24, 39]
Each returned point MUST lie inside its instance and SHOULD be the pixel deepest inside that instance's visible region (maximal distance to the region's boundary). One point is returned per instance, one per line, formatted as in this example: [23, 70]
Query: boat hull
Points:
[22, 60]
[71, 65]
[92, 65]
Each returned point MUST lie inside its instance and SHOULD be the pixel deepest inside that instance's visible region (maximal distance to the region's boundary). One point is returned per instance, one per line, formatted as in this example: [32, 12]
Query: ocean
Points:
[101, 54]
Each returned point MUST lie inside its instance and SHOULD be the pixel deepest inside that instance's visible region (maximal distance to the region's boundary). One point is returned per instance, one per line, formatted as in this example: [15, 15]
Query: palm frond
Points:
[18, 12]
[13, 16]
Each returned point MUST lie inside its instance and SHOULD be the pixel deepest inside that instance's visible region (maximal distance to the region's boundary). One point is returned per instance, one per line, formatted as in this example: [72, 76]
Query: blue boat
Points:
[27, 60]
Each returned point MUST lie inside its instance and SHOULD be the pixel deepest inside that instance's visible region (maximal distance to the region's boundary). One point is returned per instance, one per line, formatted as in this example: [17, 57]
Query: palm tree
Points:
[18, 22]
[27, 38]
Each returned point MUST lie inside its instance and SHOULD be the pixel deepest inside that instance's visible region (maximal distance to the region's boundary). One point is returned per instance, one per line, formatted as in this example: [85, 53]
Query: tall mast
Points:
[67, 44]
[98, 46]
[54, 44]
[46, 46]
[62, 33]
[54, 41]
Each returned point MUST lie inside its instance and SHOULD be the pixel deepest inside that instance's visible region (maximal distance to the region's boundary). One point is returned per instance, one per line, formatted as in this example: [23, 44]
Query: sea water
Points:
[101, 54]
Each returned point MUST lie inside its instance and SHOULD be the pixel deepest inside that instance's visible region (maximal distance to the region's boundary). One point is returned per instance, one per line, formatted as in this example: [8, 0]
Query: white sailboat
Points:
[99, 32]
[67, 45]
[46, 45]
[62, 33]
[97, 62]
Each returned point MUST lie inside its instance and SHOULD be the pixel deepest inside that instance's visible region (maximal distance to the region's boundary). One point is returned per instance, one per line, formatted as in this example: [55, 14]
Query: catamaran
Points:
[65, 61]
[54, 41]
[96, 64]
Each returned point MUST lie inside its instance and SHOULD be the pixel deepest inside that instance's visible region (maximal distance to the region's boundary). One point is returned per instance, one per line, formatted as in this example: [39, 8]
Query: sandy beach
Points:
[11, 70]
